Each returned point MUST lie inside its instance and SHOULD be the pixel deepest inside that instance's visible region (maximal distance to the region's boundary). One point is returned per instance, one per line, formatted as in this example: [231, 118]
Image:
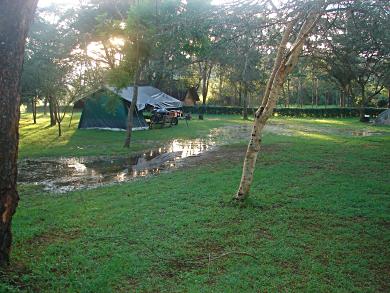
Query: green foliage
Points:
[290, 112]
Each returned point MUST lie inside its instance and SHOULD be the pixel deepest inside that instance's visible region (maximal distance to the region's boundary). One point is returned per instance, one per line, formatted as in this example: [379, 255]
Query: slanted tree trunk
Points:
[284, 63]
[15, 19]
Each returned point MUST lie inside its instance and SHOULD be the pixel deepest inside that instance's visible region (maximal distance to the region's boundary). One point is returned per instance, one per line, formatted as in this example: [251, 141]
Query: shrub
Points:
[289, 112]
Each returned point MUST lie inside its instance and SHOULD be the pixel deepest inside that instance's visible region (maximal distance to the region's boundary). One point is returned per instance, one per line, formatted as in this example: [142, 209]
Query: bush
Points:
[289, 112]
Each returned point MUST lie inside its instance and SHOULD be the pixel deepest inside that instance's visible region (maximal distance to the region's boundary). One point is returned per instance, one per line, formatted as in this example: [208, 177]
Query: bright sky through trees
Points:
[45, 3]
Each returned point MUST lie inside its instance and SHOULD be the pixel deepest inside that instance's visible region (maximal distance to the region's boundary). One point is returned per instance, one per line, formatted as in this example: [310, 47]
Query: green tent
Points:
[106, 110]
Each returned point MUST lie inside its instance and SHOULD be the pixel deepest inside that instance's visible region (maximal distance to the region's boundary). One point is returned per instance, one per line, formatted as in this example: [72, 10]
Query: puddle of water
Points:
[66, 174]
[366, 133]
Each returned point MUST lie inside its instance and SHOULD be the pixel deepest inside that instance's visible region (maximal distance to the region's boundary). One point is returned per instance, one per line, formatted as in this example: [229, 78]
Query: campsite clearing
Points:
[317, 219]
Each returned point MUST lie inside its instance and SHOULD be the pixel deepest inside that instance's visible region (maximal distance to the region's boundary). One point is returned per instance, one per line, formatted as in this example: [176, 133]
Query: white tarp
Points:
[148, 95]
[383, 118]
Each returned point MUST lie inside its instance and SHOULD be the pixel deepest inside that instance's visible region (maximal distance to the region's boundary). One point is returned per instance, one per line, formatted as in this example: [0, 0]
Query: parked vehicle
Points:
[165, 117]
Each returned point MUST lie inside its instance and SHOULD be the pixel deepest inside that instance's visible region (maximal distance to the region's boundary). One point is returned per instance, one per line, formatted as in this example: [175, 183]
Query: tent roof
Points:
[148, 95]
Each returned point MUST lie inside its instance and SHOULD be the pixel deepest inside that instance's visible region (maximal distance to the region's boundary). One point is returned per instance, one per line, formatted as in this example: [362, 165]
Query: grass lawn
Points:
[317, 220]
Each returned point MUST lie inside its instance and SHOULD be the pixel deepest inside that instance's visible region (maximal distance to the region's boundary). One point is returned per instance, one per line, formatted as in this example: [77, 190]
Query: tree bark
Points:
[288, 93]
[388, 95]
[34, 109]
[362, 102]
[52, 111]
[130, 115]
[245, 99]
[284, 63]
[131, 109]
[58, 118]
[45, 106]
[205, 74]
[15, 19]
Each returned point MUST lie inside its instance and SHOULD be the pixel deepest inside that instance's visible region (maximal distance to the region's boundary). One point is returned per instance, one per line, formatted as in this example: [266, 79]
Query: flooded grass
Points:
[65, 174]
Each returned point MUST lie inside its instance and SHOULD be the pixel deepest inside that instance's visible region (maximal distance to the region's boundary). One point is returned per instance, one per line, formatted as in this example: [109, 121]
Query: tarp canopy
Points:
[383, 118]
[148, 95]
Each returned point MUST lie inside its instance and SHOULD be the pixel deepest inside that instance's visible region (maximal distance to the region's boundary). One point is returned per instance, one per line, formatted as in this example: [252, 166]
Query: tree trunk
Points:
[288, 93]
[34, 109]
[57, 115]
[388, 95]
[312, 92]
[220, 85]
[130, 116]
[52, 111]
[283, 65]
[205, 73]
[245, 99]
[300, 93]
[15, 19]
[59, 128]
[239, 94]
[362, 102]
[131, 109]
[45, 106]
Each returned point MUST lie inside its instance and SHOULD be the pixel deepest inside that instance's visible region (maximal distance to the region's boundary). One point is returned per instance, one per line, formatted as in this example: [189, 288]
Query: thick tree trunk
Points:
[283, 65]
[15, 18]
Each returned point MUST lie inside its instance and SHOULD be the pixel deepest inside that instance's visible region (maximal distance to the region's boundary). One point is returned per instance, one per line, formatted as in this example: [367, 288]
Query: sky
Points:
[45, 3]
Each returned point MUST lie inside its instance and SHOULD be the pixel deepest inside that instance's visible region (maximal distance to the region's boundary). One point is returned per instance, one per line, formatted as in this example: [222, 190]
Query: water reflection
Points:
[65, 174]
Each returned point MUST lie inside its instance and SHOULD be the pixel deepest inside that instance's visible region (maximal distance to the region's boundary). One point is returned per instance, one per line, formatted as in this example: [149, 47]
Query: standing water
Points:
[66, 174]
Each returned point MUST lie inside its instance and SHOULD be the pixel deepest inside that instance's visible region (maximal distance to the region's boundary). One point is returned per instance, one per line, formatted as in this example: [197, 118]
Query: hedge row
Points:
[292, 112]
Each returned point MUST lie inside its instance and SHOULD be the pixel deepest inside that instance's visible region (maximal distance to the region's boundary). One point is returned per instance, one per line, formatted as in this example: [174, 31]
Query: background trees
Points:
[226, 52]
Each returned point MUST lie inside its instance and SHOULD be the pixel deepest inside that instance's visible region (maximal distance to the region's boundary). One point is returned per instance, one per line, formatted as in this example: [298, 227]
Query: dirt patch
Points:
[231, 154]
[53, 236]
[13, 275]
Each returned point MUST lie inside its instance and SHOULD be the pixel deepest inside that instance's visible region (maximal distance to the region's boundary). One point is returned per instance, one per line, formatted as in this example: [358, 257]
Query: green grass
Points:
[317, 220]
[40, 140]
